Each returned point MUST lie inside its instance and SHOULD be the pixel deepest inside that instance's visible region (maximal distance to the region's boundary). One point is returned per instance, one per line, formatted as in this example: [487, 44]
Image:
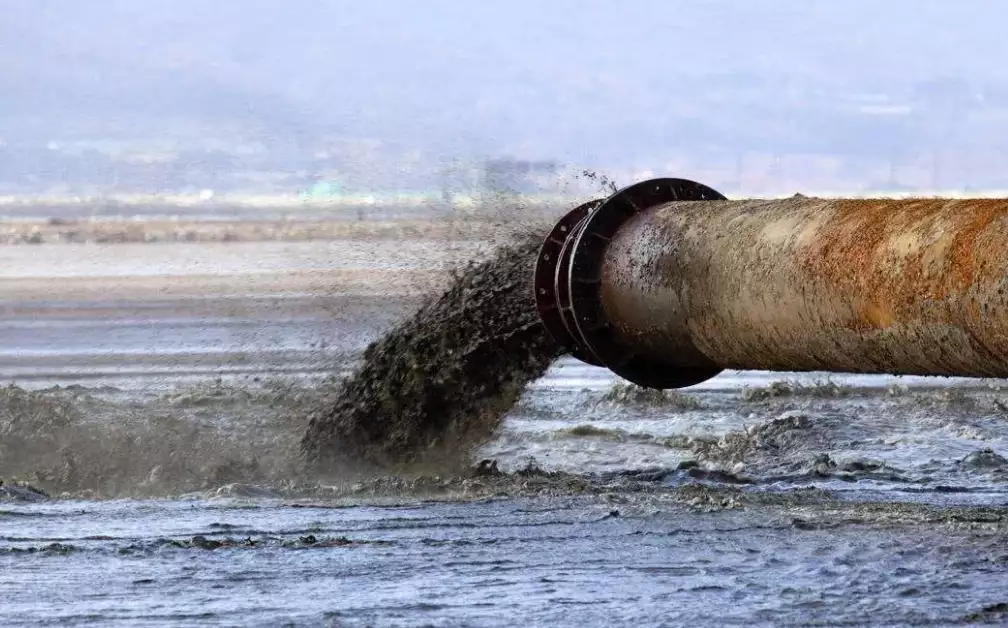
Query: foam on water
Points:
[178, 438]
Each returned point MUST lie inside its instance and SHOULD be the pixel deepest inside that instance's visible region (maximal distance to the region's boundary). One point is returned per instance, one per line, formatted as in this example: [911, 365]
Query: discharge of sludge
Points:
[441, 380]
[666, 292]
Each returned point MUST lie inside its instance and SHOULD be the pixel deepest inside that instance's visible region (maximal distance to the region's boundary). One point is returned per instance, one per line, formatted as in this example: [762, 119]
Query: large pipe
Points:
[667, 291]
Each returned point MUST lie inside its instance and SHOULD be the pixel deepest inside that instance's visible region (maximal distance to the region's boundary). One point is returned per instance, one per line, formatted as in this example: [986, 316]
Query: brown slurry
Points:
[443, 379]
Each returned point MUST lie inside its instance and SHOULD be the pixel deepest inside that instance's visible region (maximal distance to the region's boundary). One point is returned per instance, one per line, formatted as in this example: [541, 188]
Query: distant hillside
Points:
[549, 78]
[278, 97]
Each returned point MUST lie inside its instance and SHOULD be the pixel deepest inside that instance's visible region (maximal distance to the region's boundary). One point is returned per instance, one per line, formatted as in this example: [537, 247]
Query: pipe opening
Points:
[568, 282]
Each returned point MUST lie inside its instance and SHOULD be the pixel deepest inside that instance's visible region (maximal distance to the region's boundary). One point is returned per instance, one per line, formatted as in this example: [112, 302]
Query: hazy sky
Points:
[566, 77]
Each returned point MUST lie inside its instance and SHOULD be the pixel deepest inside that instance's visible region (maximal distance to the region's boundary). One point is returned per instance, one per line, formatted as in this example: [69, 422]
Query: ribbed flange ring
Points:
[551, 280]
[592, 330]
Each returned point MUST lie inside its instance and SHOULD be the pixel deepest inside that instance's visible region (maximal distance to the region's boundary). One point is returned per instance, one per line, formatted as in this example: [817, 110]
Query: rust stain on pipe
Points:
[917, 286]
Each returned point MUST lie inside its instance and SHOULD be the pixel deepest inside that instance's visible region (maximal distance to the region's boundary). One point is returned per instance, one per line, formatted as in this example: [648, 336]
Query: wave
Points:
[77, 441]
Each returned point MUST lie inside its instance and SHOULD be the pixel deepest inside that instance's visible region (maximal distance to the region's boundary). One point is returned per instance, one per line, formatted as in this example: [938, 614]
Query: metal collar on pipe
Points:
[568, 282]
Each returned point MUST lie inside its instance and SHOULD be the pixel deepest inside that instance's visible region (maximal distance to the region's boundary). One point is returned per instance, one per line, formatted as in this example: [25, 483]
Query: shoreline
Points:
[391, 284]
[170, 231]
[318, 268]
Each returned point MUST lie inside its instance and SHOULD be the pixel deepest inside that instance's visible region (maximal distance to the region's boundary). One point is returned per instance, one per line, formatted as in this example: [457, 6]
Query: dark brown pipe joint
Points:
[569, 284]
[666, 292]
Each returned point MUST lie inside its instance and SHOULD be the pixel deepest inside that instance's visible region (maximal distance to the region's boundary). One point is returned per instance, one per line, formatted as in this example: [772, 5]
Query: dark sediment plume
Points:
[442, 380]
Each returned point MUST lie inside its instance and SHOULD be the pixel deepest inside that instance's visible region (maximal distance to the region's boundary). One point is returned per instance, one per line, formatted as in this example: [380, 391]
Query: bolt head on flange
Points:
[552, 297]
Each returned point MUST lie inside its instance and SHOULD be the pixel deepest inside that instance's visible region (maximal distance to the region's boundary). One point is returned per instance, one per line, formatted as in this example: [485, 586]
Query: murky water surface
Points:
[847, 500]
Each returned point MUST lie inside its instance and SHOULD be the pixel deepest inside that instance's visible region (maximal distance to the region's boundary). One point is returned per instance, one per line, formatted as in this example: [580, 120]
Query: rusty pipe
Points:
[667, 291]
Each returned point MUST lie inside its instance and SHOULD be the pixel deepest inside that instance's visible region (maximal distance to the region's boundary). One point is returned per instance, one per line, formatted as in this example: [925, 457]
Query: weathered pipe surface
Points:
[916, 286]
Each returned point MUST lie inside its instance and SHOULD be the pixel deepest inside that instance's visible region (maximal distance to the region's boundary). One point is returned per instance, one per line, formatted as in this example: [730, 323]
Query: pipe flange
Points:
[551, 282]
[592, 330]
